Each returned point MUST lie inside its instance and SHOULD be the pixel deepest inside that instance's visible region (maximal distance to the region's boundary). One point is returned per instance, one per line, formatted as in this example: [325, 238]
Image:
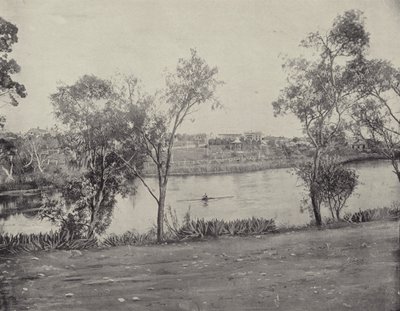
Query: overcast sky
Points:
[61, 40]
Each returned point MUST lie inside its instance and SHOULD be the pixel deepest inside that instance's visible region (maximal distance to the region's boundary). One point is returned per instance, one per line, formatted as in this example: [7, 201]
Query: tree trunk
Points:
[92, 223]
[316, 207]
[338, 214]
[396, 168]
[97, 200]
[39, 164]
[333, 215]
[313, 189]
[9, 174]
[160, 214]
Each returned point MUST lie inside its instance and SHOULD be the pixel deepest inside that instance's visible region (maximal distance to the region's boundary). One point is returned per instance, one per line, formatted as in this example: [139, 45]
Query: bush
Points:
[201, 228]
[333, 185]
[44, 241]
[129, 238]
[392, 212]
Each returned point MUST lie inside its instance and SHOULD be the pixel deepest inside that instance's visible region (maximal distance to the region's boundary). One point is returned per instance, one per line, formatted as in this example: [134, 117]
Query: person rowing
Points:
[206, 198]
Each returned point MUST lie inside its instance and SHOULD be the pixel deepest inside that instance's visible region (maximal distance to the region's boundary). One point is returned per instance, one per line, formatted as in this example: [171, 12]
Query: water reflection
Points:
[26, 204]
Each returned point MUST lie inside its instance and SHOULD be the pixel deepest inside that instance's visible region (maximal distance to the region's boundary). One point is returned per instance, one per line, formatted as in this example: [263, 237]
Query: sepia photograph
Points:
[200, 155]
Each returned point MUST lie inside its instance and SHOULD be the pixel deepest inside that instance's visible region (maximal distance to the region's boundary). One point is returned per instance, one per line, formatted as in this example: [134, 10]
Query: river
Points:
[275, 193]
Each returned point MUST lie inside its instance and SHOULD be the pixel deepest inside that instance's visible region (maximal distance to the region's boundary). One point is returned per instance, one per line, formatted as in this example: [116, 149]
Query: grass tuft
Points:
[129, 238]
[22, 242]
[391, 212]
[201, 228]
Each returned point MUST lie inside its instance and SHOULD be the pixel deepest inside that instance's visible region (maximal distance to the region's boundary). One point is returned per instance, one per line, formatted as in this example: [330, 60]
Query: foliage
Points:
[391, 212]
[335, 183]
[8, 67]
[72, 221]
[75, 211]
[201, 228]
[196, 229]
[34, 158]
[90, 111]
[192, 229]
[43, 241]
[129, 238]
[38, 149]
[172, 222]
[8, 152]
[320, 89]
[376, 117]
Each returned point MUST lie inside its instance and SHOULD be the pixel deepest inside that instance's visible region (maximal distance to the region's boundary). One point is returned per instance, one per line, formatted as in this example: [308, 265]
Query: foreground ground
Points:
[353, 268]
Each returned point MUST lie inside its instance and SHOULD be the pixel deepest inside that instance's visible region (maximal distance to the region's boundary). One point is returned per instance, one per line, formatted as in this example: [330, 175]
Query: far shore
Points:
[254, 166]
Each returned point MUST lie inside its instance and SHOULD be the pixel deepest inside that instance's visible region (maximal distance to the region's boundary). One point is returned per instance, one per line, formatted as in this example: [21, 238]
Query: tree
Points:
[38, 148]
[154, 124]
[376, 118]
[335, 183]
[319, 93]
[12, 158]
[9, 87]
[89, 110]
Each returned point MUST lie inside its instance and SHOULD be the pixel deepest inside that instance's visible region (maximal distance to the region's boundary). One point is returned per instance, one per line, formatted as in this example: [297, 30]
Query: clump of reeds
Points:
[129, 238]
[43, 241]
[201, 228]
[391, 212]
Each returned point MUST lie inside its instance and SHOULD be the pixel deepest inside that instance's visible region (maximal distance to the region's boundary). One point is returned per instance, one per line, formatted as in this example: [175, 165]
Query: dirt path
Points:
[353, 268]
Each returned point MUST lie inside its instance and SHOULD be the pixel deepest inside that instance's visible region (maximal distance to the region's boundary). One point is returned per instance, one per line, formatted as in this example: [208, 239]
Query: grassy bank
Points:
[351, 268]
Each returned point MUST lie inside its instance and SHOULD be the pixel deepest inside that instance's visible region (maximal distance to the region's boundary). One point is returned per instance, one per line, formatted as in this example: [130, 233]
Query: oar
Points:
[209, 198]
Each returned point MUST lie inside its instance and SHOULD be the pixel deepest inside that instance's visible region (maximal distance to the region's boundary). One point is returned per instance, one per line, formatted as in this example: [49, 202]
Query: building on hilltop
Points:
[253, 136]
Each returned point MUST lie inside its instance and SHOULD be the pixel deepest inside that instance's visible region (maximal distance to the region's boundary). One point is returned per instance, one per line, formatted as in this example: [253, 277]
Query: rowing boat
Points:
[208, 199]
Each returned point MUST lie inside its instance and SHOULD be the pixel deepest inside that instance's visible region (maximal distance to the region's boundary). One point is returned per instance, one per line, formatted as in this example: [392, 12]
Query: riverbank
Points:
[351, 268]
[242, 165]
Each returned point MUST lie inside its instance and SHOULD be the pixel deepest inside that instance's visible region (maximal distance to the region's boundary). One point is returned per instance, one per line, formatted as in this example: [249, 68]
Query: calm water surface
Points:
[273, 193]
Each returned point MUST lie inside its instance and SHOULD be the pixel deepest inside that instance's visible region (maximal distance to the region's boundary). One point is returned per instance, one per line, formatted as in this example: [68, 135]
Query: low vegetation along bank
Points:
[190, 230]
[245, 165]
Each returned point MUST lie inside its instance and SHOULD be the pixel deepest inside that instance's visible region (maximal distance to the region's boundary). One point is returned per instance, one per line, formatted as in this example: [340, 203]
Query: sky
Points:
[61, 40]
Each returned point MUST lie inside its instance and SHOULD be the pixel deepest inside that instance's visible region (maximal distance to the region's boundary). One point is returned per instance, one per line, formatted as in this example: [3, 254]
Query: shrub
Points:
[43, 241]
[201, 228]
[333, 185]
[129, 238]
[392, 212]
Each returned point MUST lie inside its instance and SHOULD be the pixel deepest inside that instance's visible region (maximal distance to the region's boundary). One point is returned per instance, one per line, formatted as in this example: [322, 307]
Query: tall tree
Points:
[8, 67]
[89, 110]
[319, 93]
[377, 117]
[154, 123]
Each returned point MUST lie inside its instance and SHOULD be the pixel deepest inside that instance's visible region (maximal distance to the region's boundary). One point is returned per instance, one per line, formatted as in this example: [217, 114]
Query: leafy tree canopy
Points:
[8, 67]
